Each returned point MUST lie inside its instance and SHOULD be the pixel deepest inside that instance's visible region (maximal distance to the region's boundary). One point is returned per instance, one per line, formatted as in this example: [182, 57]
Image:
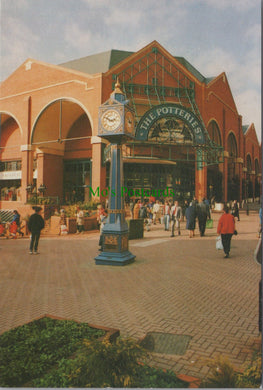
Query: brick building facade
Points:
[49, 127]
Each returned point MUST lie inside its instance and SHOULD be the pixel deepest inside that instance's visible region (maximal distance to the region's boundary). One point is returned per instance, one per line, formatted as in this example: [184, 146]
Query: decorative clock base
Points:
[108, 258]
[115, 250]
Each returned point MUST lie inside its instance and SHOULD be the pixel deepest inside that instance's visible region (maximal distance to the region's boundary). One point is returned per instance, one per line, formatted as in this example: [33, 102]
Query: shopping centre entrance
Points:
[77, 181]
[161, 180]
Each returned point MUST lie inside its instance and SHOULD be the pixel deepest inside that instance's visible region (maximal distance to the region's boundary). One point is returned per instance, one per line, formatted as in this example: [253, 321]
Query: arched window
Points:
[214, 133]
[256, 167]
[232, 145]
[249, 164]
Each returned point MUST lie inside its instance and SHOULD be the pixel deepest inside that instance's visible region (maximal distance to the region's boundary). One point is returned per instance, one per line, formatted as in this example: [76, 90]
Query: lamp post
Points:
[42, 188]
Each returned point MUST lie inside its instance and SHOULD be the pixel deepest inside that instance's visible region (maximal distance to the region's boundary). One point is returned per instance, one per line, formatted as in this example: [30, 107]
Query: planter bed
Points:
[30, 351]
[53, 352]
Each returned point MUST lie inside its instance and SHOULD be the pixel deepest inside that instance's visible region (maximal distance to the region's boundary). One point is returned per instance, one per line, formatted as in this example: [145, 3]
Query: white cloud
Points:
[239, 5]
[215, 61]
[120, 16]
[14, 4]
[248, 103]
[18, 42]
[244, 80]
[254, 33]
[76, 37]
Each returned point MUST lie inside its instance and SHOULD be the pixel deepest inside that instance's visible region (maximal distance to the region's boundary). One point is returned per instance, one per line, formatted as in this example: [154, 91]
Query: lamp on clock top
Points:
[116, 123]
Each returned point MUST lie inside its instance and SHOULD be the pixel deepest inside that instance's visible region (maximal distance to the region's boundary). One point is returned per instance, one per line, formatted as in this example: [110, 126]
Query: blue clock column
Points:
[115, 232]
[115, 241]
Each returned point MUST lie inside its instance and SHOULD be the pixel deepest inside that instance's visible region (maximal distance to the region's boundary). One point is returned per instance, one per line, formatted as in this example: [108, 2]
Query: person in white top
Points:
[80, 220]
[156, 211]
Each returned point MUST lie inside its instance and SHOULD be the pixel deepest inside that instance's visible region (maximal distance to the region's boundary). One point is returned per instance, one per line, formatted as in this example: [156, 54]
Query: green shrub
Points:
[252, 376]
[224, 375]
[102, 364]
[150, 377]
[29, 351]
[53, 353]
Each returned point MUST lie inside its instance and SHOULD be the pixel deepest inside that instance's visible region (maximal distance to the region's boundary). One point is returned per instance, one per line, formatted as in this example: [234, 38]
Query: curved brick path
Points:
[177, 285]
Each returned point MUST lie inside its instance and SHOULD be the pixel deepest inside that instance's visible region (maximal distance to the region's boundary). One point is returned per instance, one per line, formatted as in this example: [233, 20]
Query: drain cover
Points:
[170, 344]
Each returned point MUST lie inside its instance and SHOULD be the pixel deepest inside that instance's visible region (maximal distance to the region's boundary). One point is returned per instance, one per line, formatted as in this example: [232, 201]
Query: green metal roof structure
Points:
[183, 91]
[98, 63]
[245, 128]
[102, 62]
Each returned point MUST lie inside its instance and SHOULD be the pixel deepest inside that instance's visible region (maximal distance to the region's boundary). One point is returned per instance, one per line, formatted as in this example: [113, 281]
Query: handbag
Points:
[219, 244]
[209, 224]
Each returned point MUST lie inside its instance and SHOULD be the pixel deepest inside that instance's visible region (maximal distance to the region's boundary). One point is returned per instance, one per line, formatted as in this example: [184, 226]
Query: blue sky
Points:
[213, 35]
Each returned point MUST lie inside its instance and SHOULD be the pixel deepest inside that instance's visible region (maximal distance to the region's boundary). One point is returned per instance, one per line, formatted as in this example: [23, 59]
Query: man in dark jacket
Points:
[35, 225]
[203, 213]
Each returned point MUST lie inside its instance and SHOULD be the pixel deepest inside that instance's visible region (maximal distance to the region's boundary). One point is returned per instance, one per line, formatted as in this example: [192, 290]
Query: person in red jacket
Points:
[226, 227]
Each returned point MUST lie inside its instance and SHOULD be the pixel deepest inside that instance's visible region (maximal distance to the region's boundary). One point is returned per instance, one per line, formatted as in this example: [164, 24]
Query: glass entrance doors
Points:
[77, 181]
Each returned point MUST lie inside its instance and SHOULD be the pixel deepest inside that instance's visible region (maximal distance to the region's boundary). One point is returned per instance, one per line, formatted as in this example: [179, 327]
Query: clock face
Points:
[129, 122]
[111, 120]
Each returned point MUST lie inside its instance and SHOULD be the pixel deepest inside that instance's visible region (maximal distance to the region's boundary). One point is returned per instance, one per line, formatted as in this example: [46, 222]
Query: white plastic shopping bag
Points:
[64, 229]
[219, 244]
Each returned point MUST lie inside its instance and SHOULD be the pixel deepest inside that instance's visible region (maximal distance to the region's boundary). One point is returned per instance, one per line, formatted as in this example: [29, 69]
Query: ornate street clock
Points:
[116, 118]
[116, 124]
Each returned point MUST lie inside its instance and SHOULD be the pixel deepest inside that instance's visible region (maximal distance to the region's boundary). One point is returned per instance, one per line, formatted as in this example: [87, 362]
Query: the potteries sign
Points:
[170, 110]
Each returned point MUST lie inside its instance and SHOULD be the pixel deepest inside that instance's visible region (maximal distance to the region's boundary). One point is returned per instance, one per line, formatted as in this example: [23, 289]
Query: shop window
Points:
[10, 166]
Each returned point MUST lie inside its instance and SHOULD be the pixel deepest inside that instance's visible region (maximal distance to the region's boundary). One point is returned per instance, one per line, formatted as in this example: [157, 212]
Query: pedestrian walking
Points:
[190, 214]
[149, 209]
[80, 220]
[131, 205]
[176, 215]
[235, 210]
[136, 209]
[184, 207]
[102, 217]
[2, 229]
[226, 227]
[11, 230]
[35, 225]
[166, 215]
[63, 223]
[16, 219]
[156, 212]
[203, 213]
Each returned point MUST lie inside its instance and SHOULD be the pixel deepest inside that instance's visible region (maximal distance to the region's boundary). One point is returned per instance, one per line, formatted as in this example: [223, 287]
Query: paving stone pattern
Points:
[178, 286]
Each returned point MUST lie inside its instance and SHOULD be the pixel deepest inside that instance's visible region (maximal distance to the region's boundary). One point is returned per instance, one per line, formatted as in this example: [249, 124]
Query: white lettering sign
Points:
[10, 175]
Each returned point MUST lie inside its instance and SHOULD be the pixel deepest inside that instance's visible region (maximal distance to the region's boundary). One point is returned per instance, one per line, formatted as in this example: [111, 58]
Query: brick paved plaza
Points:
[178, 286]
